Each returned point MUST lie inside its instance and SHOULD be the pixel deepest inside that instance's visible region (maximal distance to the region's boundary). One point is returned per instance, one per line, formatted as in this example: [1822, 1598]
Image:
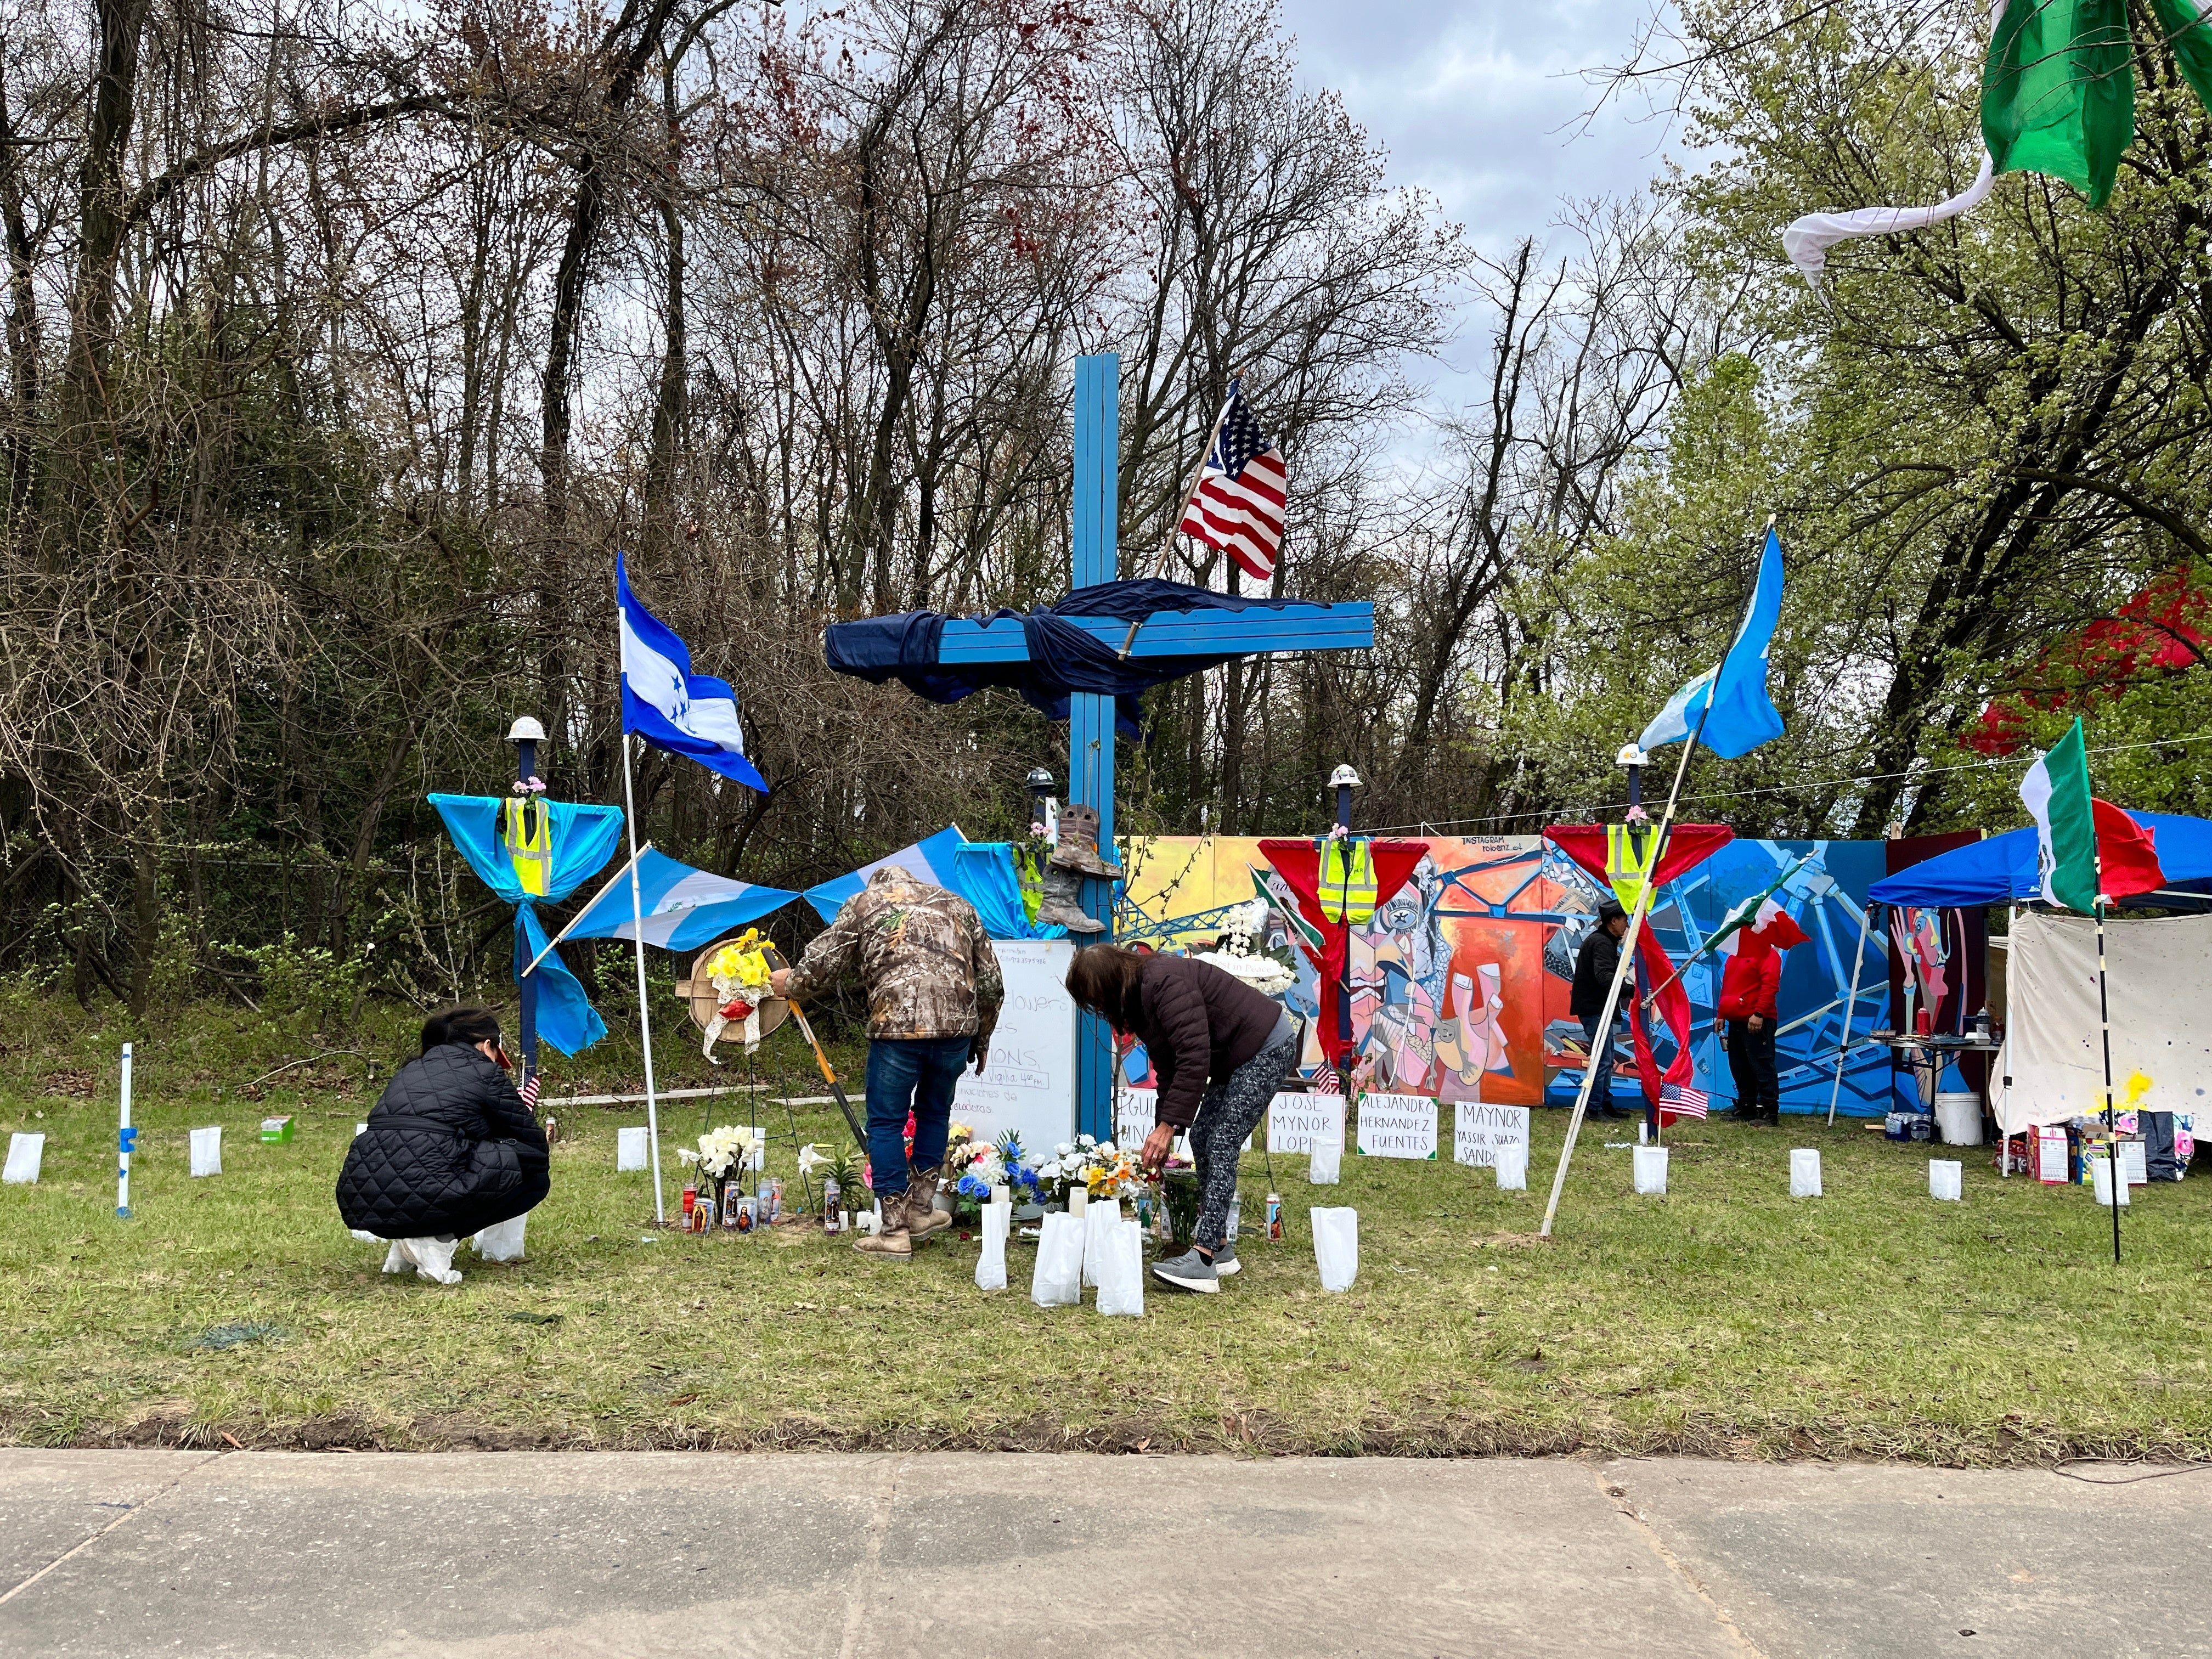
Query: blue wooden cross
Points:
[1090, 722]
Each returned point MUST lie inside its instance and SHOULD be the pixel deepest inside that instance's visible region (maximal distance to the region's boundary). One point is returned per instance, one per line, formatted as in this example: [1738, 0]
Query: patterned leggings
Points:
[1229, 1113]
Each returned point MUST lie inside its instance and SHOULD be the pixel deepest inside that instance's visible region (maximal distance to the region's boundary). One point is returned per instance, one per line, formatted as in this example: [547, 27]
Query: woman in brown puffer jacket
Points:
[1220, 1049]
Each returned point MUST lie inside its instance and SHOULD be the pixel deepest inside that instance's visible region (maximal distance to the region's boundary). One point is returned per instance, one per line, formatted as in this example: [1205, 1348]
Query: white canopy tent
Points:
[2159, 979]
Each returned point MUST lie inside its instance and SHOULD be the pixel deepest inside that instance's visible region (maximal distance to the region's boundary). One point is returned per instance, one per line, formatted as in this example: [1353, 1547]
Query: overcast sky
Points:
[1479, 102]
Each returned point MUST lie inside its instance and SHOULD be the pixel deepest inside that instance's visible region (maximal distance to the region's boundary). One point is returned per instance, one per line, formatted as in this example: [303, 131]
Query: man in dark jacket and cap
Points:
[450, 1150]
[1595, 964]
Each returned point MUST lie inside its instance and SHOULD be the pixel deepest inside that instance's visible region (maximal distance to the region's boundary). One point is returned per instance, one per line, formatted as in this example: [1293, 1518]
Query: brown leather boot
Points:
[923, 1217]
[894, 1242]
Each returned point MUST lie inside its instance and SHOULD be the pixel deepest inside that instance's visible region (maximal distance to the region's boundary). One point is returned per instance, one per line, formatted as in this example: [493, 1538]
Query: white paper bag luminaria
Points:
[991, 1267]
[1512, 1166]
[1946, 1179]
[1805, 1172]
[633, 1150]
[1650, 1171]
[1057, 1281]
[1096, 1219]
[25, 1154]
[1122, 1270]
[207, 1150]
[502, 1240]
[2101, 1182]
[1326, 1161]
[1336, 1245]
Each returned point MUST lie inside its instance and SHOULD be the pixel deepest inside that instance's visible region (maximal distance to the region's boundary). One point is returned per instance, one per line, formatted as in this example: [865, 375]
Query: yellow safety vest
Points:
[1625, 868]
[1028, 876]
[525, 829]
[1347, 880]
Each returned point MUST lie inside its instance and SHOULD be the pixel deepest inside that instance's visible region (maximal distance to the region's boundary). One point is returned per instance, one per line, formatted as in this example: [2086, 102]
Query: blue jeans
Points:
[1600, 1095]
[914, 1074]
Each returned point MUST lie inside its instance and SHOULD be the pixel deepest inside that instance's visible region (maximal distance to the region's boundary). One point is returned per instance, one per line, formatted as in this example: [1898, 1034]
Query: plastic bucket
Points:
[1958, 1117]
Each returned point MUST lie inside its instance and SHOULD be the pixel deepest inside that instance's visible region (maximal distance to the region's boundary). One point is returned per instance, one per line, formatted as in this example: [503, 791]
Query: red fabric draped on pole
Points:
[1299, 863]
[1688, 845]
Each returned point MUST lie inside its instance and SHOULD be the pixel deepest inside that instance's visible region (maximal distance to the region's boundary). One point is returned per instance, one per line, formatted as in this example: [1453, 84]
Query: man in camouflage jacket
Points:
[934, 991]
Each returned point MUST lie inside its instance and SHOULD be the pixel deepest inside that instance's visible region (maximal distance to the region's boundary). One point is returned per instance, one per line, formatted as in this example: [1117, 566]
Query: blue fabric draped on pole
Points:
[583, 838]
[683, 907]
[1743, 716]
[2003, 869]
[1062, 659]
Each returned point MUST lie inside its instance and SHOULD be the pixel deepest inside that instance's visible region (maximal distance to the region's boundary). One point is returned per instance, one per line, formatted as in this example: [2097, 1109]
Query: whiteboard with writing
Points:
[1397, 1126]
[1294, 1121]
[1029, 1084]
[1478, 1131]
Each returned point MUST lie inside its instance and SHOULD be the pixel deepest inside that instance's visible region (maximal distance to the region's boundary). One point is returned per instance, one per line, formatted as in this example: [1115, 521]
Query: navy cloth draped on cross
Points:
[1063, 659]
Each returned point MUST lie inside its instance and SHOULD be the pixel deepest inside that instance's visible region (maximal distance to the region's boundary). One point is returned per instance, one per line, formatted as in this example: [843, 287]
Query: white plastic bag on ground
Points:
[1651, 1170]
[991, 1270]
[633, 1148]
[1122, 1270]
[25, 1154]
[207, 1150]
[1804, 1172]
[396, 1259]
[1096, 1219]
[1336, 1245]
[1326, 1159]
[1513, 1167]
[1058, 1280]
[1946, 1179]
[502, 1241]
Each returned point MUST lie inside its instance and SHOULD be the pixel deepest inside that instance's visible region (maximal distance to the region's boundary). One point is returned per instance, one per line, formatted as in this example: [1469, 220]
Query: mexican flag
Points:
[1760, 922]
[2073, 827]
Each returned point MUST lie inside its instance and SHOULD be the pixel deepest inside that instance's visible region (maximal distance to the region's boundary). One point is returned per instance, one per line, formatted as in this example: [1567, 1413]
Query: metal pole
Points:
[2105, 1032]
[1851, 1011]
[644, 1008]
[126, 1137]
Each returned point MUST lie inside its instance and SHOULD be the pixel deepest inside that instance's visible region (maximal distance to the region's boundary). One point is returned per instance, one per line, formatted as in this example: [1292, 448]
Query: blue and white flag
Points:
[1743, 716]
[683, 907]
[932, 860]
[668, 705]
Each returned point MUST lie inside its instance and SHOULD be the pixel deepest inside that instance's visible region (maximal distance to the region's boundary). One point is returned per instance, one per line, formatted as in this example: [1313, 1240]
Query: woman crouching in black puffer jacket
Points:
[450, 1149]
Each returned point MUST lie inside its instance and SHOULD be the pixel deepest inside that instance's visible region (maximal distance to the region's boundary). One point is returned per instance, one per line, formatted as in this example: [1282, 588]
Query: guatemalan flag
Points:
[1743, 716]
[668, 705]
[683, 907]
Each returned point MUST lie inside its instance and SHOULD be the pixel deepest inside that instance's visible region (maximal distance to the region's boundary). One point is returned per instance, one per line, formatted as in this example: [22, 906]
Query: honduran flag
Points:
[2074, 830]
[684, 907]
[669, 706]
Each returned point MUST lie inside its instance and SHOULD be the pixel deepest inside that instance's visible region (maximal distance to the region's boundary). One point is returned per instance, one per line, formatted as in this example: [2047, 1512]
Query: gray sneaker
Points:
[1224, 1261]
[1188, 1272]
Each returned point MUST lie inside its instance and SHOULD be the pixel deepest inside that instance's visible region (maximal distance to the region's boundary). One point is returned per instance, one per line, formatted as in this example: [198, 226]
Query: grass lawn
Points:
[1724, 1318]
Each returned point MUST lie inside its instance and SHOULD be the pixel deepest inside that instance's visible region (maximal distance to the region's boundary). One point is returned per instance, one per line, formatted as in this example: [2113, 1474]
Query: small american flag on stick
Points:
[1682, 1100]
[529, 1090]
[1237, 506]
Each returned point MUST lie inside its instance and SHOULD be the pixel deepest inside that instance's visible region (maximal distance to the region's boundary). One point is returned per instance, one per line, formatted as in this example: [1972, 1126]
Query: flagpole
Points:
[1636, 917]
[637, 919]
[1713, 943]
[1851, 1011]
[587, 909]
[2105, 1031]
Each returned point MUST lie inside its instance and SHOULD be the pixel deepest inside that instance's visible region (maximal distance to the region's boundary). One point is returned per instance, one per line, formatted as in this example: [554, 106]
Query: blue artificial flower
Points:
[974, 1187]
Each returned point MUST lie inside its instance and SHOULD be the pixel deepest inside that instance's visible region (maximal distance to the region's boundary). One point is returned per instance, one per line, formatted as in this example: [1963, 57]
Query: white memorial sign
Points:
[1294, 1120]
[1029, 1084]
[1478, 1131]
[1397, 1126]
[1134, 1114]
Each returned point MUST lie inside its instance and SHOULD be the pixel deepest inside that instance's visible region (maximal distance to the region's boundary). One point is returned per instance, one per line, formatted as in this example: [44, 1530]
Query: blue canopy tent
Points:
[2003, 869]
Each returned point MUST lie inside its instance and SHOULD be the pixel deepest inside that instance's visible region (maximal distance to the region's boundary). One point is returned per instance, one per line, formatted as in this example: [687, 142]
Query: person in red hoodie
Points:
[1751, 988]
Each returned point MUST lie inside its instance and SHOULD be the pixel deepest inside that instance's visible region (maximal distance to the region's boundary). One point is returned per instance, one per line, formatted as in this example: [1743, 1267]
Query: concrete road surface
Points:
[960, 1556]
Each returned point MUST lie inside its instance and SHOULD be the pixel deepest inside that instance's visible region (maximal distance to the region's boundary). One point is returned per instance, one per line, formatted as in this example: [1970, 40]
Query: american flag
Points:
[1237, 507]
[1682, 1100]
[529, 1090]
